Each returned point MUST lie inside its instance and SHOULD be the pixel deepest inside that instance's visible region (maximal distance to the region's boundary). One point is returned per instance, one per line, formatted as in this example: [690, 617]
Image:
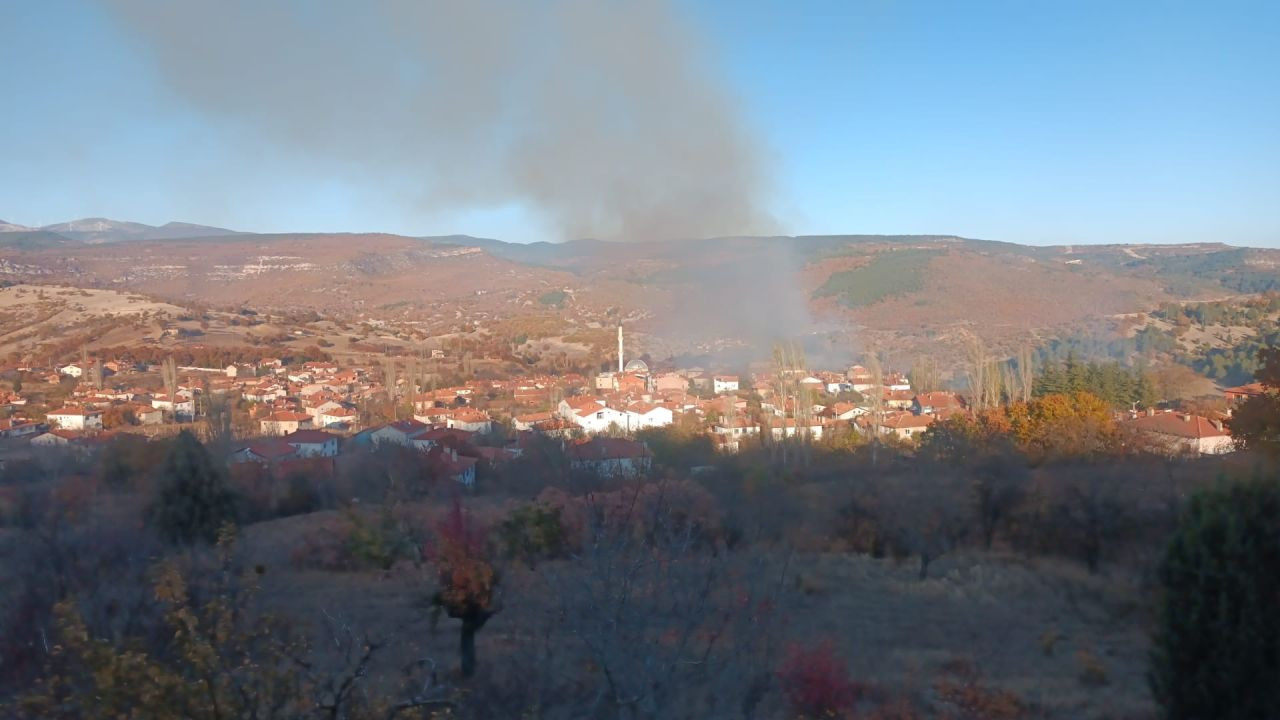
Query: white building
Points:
[724, 384]
[76, 419]
[284, 422]
[313, 443]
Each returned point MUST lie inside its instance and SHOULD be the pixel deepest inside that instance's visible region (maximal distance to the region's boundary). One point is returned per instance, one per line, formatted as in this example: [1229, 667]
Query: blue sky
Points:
[1031, 121]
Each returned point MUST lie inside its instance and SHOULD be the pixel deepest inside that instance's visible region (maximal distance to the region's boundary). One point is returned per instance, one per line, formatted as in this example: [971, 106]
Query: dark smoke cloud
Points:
[603, 115]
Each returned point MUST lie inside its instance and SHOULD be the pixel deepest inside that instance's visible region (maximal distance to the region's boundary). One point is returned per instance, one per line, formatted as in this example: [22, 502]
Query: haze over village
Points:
[639, 359]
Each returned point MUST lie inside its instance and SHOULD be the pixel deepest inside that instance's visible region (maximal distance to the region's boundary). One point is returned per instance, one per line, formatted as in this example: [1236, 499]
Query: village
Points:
[274, 414]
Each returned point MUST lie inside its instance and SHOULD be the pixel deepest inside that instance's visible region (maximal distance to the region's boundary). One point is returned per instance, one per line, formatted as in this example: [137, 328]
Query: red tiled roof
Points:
[309, 437]
[1179, 425]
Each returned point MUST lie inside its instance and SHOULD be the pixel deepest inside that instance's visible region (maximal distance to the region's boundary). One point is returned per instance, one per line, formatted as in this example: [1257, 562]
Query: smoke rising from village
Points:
[606, 118]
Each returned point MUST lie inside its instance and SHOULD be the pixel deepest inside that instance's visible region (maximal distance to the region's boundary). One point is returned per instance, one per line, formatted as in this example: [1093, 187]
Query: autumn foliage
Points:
[466, 578]
[816, 683]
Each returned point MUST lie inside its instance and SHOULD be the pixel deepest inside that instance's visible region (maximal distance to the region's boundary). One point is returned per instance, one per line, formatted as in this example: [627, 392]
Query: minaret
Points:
[619, 348]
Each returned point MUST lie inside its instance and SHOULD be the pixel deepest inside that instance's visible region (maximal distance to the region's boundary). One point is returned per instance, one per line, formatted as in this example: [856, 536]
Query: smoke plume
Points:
[602, 115]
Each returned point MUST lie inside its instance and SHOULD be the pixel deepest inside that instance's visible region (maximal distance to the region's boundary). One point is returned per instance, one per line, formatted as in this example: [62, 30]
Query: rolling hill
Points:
[905, 294]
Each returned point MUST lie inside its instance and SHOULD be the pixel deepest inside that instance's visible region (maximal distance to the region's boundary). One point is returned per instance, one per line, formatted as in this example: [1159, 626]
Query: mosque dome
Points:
[637, 366]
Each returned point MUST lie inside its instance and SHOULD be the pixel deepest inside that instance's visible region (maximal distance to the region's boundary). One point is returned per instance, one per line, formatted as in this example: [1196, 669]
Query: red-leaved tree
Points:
[467, 579]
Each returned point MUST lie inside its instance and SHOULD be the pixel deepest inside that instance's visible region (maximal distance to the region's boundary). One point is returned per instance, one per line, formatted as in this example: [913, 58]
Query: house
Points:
[76, 419]
[402, 432]
[789, 427]
[610, 457]
[846, 411]
[631, 383]
[1240, 393]
[283, 422]
[668, 382]
[312, 443]
[724, 384]
[898, 399]
[526, 422]
[340, 417]
[591, 414]
[71, 370]
[905, 425]
[933, 403]
[264, 452]
[531, 395]
[640, 415]
[55, 438]
[146, 414]
[265, 392]
[860, 379]
[897, 381]
[471, 420]
[180, 405]
[738, 427]
[812, 384]
[1180, 432]
[320, 368]
[445, 462]
[12, 428]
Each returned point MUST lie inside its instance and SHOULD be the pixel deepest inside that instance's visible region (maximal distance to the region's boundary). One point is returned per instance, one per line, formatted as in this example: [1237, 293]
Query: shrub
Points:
[532, 532]
[1216, 650]
[815, 681]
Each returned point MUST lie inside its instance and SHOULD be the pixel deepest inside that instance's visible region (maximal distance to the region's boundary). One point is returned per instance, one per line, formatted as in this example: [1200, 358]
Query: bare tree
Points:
[923, 514]
[924, 375]
[1026, 374]
[877, 401]
[169, 376]
[977, 368]
[666, 622]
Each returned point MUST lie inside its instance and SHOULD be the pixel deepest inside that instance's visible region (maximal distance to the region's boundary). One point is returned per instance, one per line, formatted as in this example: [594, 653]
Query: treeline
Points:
[1233, 364]
[1117, 385]
[889, 273]
[1252, 312]
[212, 357]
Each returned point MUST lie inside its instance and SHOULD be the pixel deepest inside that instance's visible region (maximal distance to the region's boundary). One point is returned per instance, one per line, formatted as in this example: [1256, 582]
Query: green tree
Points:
[1255, 423]
[1216, 651]
[194, 500]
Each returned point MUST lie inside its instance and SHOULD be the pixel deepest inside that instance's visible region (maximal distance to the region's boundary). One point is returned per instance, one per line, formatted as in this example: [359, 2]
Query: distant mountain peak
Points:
[96, 230]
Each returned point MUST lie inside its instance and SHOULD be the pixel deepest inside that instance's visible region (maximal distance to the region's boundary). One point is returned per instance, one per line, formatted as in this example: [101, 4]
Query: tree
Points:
[194, 500]
[169, 375]
[1255, 423]
[1217, 641]
[981, 447]
[468, 581]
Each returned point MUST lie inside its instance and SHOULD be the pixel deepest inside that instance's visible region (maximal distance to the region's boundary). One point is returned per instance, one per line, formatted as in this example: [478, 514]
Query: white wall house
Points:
[313, 443]
[284, 422]
[180, 405]
[724, 384]
[76, 419]
[643, 415]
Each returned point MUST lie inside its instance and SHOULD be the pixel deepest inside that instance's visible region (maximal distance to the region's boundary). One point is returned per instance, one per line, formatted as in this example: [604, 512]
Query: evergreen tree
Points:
[194, 501]
[1216, 649]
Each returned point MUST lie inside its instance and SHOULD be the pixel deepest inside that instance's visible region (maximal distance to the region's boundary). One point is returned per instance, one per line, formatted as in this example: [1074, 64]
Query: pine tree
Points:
[194, 501]
[1216, 651]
